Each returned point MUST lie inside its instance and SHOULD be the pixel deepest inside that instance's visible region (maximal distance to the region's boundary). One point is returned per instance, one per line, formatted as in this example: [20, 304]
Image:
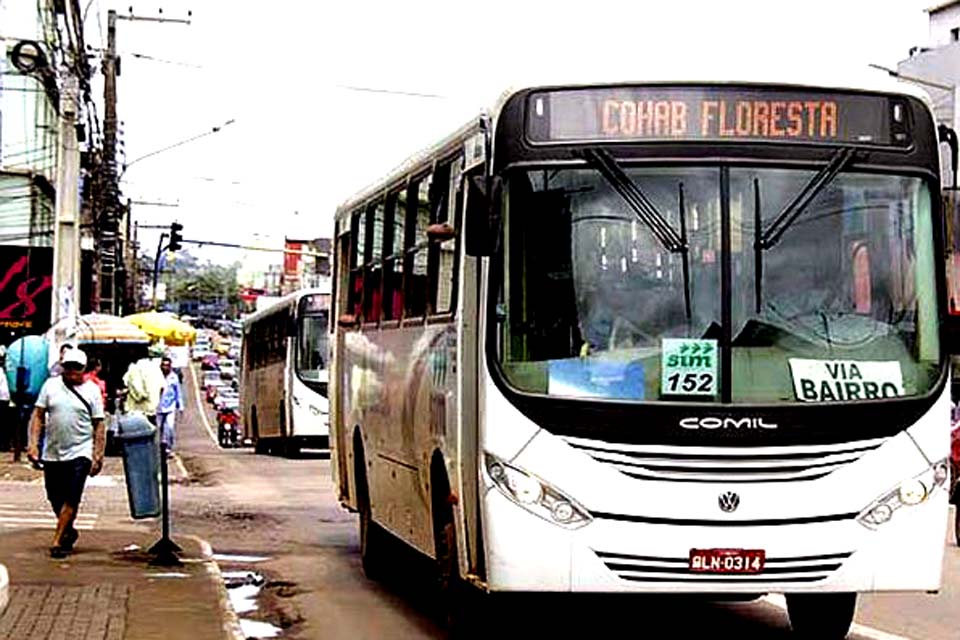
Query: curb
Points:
[231, 623]
[4, 588]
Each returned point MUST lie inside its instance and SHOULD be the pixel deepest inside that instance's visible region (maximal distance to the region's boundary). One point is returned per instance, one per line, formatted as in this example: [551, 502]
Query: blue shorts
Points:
[65, 480]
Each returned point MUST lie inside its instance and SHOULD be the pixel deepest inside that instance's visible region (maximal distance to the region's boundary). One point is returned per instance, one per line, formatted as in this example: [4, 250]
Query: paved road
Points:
[285, 510]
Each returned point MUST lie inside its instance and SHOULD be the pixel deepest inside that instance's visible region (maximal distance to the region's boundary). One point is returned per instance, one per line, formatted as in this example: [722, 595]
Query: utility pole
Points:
[66, 259]
[109, 220]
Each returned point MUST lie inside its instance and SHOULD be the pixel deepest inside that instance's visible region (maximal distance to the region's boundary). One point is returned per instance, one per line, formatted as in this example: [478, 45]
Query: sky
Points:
[306, 134]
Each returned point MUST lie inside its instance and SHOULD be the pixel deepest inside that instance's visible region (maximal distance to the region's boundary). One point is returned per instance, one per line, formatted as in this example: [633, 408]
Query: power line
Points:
[412, 94]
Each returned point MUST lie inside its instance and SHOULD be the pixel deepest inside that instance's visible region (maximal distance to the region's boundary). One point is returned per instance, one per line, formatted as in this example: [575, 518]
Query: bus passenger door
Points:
[338, 382]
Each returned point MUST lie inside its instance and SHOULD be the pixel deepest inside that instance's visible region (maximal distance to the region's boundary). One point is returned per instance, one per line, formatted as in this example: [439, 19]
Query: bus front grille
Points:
[653, 569]
[717, 464]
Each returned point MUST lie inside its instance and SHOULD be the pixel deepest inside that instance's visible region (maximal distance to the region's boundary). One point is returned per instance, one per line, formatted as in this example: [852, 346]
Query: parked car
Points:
[228, 369]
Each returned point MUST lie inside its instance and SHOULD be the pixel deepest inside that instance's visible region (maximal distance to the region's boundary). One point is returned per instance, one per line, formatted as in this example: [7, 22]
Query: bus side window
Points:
[373, 267]
[415, 249]
[356, 265]
[341, 274]
[393, 255]
[443, 254]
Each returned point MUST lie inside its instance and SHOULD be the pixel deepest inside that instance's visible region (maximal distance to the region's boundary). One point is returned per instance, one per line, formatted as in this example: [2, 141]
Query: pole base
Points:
[165, 553]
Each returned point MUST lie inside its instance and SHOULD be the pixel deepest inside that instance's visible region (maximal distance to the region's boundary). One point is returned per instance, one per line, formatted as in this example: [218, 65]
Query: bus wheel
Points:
[373, 539]
[459, 601]
[824, 616]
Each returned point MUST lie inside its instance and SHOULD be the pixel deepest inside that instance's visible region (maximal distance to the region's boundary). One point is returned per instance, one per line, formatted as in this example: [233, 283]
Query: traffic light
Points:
[175, 237]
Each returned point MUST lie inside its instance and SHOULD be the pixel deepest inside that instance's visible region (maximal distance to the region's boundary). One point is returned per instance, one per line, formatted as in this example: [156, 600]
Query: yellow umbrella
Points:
[163, 325]
[99, 328]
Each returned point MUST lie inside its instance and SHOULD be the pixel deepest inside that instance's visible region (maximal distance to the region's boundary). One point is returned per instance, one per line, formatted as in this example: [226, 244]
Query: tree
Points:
[203, 286]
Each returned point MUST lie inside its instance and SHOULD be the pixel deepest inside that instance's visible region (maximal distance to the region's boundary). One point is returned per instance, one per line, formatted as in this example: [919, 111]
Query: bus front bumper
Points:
[525, 552]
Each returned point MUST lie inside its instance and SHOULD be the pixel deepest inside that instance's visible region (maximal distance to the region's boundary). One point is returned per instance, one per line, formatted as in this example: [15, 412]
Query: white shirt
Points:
[69, 428]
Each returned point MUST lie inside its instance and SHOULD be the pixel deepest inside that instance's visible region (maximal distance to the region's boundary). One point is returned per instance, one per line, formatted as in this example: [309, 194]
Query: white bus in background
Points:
[283, 379]
[654, 337]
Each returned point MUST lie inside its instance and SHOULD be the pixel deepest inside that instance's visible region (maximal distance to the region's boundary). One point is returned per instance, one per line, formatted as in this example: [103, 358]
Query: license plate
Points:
[727, 560]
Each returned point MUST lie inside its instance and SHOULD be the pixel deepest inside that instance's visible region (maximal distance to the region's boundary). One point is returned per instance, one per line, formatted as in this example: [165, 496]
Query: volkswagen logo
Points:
[729, 502]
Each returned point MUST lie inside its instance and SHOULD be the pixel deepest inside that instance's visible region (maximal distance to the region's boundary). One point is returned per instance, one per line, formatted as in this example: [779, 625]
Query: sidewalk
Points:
[106, 590]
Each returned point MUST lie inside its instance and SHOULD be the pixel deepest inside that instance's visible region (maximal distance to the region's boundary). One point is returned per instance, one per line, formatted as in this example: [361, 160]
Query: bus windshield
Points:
[835, 304]
[312, 349]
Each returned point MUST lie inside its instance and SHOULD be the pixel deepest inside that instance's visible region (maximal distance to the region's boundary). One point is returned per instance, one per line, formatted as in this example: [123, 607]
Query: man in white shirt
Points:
[69, 412]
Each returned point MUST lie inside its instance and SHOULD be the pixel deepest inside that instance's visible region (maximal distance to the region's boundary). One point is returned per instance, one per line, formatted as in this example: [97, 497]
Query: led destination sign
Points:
[688, 113]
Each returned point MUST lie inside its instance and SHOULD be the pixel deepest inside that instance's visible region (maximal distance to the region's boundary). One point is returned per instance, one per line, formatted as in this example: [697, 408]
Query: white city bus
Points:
[654, 337]
[283, 382]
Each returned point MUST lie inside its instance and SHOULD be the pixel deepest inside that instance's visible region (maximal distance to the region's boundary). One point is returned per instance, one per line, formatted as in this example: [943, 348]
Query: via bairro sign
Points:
[844, 380]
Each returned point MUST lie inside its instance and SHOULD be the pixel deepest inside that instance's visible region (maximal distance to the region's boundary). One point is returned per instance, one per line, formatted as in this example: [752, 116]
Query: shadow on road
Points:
[413, 581]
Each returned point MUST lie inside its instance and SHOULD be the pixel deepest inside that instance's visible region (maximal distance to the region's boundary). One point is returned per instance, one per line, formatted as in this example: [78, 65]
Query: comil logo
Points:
[729, 502]
[713, 422]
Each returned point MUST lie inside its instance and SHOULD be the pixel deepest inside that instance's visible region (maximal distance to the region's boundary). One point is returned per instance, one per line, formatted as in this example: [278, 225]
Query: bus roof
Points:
[869, 80]
[286, 301]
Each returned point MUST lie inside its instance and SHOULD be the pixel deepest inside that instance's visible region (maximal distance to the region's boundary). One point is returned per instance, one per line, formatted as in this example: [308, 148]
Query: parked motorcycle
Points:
[228, 428]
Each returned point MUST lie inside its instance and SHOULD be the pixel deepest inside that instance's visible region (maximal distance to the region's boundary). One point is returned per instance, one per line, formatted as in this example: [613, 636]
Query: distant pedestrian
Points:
[70, 412]
[7, 426]
[171, 401]
[92, 374]
[143, 382]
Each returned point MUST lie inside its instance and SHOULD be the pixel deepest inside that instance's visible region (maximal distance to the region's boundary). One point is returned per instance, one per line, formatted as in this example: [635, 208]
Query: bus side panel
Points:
[400, 388]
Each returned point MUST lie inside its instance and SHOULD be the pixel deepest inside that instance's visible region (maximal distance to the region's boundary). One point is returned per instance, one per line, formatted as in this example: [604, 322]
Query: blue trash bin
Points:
[141, 464]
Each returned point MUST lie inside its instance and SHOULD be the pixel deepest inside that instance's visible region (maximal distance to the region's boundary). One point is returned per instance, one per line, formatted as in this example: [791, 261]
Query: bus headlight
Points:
[536, 496]
[910, 492]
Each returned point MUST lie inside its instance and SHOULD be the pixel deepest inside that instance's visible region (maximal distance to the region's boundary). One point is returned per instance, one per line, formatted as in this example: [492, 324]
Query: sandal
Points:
[58, 552]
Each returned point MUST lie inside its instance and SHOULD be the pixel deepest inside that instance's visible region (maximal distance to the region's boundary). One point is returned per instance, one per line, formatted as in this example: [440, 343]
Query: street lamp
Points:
[212, 131]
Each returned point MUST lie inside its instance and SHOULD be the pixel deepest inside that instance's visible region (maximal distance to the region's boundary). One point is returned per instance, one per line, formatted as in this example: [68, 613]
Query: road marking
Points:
[11, 513]
[200, 407]
[857, 631]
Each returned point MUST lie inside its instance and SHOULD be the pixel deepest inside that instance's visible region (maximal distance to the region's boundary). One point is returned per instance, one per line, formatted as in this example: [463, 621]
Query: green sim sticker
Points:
[689, 367]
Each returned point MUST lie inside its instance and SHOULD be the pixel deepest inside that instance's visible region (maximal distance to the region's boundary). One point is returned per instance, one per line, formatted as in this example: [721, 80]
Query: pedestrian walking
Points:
[69, 411]
[57, 367]
[143, 382]
[171, 401]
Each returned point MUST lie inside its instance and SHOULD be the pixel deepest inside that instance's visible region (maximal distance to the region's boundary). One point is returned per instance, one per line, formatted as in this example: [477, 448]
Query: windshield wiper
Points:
[795, 207]
[631, 193]
[646, 212]
[766, 239]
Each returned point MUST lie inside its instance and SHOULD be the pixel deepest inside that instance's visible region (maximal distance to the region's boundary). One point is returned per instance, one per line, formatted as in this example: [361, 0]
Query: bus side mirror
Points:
[482, 214]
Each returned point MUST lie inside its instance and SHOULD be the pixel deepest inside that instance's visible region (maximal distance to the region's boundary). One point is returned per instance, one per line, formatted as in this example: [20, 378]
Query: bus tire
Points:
[373, 539]
[821, 616]
[460, 603]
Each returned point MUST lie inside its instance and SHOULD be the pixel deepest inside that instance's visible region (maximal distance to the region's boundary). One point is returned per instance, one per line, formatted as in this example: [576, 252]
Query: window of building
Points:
[955, 34]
